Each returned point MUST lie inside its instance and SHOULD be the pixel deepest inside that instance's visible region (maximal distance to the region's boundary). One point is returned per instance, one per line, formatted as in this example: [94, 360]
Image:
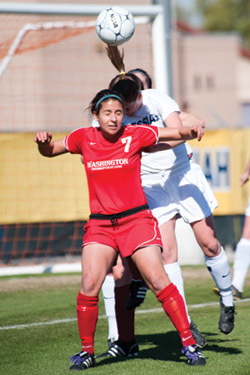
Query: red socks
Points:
[125, 318]
[173, 305]
[87, 315]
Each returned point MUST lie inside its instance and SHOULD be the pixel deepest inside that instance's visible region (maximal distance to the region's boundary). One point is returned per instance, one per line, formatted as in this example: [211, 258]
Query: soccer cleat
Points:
[121, 349]
[110, 341]
[226, 322]
[194, 355]
[82, 361]
[236, 294]
[198, 337]
[137, 294]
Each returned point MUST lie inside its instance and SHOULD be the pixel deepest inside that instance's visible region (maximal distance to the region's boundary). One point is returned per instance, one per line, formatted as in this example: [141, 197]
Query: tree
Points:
[226, 15]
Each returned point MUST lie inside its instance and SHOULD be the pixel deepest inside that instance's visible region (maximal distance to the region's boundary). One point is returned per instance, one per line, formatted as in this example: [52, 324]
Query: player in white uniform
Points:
[174, 185]
[242, 253]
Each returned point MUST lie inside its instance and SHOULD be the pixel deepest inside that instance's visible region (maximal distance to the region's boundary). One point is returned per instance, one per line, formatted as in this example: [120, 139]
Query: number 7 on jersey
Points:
[126, 141]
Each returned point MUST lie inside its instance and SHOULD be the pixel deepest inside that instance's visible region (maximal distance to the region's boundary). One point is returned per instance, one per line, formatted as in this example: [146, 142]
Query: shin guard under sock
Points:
[219, 269]
[174, 307]
[87, 315]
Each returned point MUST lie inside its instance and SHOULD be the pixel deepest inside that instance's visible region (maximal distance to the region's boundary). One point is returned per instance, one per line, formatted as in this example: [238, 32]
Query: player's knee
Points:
[212, 247]
[90, 285]
[169, 254]
[156, 283]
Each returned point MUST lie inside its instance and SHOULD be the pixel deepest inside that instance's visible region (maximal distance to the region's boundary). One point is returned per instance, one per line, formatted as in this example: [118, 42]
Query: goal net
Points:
[50, 68]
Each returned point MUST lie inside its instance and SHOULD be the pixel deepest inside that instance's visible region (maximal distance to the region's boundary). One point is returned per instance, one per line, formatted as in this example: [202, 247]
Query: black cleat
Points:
[121, 349]
[198, 337]
[226, 322]
[82, 361]
[194, 355]
[137, 294]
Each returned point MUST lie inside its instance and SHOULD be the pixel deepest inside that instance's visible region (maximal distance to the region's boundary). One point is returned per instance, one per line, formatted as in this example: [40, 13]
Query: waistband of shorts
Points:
[119, 215]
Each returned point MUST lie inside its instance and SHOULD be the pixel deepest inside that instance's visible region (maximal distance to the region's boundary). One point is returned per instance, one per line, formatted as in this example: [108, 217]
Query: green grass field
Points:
[34, 349]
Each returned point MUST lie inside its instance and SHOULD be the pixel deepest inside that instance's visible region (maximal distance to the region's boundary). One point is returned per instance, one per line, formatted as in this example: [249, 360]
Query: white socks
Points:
[219, 269]
[175, 275]
[109, 303]
[241, 263]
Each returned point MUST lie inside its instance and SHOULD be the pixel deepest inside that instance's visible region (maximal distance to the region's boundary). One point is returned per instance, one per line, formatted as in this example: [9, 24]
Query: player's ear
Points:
[95, 115]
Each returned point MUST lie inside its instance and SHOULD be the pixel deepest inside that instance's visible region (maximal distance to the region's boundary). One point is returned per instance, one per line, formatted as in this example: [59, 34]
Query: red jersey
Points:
[113, 168]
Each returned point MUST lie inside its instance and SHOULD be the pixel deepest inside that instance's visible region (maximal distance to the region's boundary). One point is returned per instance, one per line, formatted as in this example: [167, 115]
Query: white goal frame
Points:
[154, 12]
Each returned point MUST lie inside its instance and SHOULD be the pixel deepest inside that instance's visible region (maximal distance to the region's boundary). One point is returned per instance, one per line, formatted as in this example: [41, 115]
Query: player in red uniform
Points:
[120, 220]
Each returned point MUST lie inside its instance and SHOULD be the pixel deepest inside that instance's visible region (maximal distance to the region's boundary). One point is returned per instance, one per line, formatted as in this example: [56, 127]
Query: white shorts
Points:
[247, 212]
[186, 193]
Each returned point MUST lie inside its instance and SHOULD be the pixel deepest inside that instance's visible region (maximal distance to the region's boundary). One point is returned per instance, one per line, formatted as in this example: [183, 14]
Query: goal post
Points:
[154, 12]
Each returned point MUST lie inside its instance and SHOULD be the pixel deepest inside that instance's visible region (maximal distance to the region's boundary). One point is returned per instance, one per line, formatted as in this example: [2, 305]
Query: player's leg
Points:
[197, 203]
[149, 262]
[165, 207]
[137, 290]
[218, 265]
[173, 269]
[96, 261]
[108, 291]
[120, 278]
[241, 260]
[126, 344]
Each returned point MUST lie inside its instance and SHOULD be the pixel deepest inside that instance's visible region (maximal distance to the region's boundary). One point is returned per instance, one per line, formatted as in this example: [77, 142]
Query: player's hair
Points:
[128, 88]
[102, 96]
[145, 74]
[126, 84]
[116, 57]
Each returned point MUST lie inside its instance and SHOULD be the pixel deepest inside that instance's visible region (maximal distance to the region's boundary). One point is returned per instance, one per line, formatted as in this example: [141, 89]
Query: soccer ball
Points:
[115, 26]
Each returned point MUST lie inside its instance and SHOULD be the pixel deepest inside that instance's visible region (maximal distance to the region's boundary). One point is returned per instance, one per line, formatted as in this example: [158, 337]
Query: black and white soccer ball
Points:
[115, 25]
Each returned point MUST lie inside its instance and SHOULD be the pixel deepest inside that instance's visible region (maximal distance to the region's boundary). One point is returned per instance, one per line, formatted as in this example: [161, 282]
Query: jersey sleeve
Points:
[148, 135]
[73, 141]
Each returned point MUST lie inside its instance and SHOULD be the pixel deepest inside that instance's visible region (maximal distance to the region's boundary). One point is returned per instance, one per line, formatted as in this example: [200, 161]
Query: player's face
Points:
[110, 117]
[130, 108]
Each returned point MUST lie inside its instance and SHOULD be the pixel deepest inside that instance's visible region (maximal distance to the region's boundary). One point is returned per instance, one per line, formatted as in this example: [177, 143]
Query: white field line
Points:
[58, 321]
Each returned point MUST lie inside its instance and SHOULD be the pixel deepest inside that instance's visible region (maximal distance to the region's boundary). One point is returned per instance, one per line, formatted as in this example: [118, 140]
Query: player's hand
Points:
[43, 138]
[197, 131]
[244, 178]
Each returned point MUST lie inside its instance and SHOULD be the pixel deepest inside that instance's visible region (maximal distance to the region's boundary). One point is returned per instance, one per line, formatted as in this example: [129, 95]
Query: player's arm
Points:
[183, 119]
[172, 121]
[47, 147]
[182, 133]
[245, 176]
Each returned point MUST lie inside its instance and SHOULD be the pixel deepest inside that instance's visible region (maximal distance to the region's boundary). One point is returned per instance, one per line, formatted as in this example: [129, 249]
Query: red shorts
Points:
[126, 235]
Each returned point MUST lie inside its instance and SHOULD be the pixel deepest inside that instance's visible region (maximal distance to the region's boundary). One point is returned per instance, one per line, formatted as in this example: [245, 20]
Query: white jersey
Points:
[155, 109]
[171, 182]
